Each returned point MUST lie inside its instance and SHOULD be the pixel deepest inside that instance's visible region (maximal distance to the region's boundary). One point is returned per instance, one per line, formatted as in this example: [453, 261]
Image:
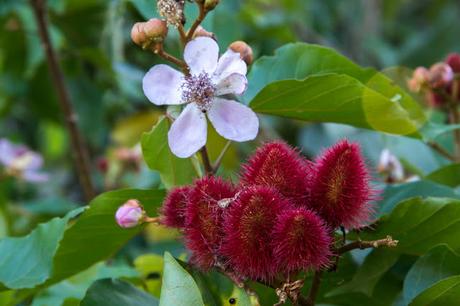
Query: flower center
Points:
[198, 89]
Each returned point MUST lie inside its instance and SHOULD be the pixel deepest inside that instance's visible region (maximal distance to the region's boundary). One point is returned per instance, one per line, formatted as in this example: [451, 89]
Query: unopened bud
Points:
[137, 33]
[156, 29]
[210, 4]
[244, 50]
[453, 60]
[201, 32]
[130, 214]
[420, 78]
[441, 75]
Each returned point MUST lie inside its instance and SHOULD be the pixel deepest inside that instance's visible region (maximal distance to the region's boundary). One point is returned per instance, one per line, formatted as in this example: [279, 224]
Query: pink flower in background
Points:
[20, 161]
[210, 78]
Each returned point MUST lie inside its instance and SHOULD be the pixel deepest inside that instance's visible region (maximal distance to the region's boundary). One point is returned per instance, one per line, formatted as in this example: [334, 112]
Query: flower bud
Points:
[130, 214]
[210, 4]
[453, 60]
[156, 29]
[244, 50]
[419, 79]
[441, 75]
[201, 32]
[137, 33]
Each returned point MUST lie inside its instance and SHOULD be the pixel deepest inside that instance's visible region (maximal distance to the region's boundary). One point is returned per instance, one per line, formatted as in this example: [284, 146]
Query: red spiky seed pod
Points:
[174, 206]
[301, 241]
[278, 165]
[340, 189]
[248, 223]
[203, 220]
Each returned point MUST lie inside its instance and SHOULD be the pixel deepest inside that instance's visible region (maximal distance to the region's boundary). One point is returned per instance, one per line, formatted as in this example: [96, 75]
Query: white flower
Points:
[210, 78]
[391, 165]
[21, 162]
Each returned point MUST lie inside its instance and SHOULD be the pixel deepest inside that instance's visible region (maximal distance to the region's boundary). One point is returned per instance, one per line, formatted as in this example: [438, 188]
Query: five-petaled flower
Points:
[21, 162]
[209, 79]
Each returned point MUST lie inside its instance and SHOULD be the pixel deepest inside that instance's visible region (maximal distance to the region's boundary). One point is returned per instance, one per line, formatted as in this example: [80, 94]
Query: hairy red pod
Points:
[174, 206]
[301, 241]
[248, 225]
[203, 220]
[279, 166]
[340, 189]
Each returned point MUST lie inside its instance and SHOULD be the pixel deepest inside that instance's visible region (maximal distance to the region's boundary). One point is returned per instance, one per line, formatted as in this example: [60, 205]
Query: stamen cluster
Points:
[198, 89]
[280, 219]
[172, 11]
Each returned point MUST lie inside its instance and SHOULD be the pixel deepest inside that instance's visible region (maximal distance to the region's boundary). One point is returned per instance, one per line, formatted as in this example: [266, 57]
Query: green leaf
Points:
[52, 253]
[96, 236]
[444, 293]
[376, 264]
[419, 224]
[150, 267]
[439, 263]
[179, 287]
[335, 98]
[27, 261]
[394, 194]
[173, 171]
[448, 175]
[117, 293]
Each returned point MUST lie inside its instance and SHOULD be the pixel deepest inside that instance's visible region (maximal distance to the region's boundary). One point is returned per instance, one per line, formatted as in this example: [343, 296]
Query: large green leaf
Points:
[179, 287]
[438, 264]
[52, 253]
[27, 261]
[96, 236]
[448, 175]
[444, 293]
[174, 171]
[393, 194]
[376, 264]
[419, 224]
[335, 98]
[117, 293]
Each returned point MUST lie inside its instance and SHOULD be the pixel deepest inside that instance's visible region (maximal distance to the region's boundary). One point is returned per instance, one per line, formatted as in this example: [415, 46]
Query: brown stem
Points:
[79, 150]
[435, 146]
[314, 289]
[158, 50]
[386, 242]
[206, 162]
[153, 220]
[197, 22]
[182, 34]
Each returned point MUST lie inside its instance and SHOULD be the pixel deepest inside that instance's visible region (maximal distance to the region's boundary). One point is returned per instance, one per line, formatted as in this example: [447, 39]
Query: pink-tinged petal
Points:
[35, 177]
[7, 152]
[188, 133]
[233, 120]
[235, 83]
[35, 161]
[201, 55]
[230, 62]
[163, 85]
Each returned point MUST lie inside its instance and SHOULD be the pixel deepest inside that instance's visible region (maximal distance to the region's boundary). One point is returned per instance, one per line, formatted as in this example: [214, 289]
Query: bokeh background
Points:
[103, 72]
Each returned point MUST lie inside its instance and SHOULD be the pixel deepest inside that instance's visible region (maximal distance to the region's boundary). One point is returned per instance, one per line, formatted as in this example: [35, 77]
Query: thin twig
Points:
[435, 146]
[359, 244]
[221, 157]
[314, 289]
[197, 22]
[182, 34]
[79, 149]
[158, 50]
[206, 162]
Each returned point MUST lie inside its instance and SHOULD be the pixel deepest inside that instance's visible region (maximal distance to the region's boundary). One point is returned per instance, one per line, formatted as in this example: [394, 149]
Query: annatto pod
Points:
[340, 188]
[248, 224]
[174, 207]
[203, 220]
[279, 166]
[301, 241]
